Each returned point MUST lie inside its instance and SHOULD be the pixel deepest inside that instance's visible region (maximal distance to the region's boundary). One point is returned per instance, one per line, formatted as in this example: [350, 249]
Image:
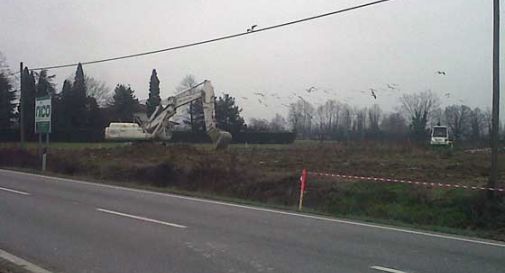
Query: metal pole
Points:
[21, 108]
[300, 200]
[39, 147]
[493, 176]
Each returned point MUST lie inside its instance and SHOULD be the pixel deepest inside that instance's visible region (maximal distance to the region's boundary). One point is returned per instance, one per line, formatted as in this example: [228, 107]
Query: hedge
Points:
[242, 137]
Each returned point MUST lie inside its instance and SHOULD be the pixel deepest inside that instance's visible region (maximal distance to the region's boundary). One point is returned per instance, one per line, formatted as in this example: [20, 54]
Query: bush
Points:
[9, 135]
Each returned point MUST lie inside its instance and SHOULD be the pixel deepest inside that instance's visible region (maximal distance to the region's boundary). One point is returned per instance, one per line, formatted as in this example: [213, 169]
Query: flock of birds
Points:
[388, 89]
[391, 87]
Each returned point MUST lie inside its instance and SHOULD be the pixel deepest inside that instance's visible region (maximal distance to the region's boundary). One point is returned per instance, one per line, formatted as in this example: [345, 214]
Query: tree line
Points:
[415, 116]
[85, 106]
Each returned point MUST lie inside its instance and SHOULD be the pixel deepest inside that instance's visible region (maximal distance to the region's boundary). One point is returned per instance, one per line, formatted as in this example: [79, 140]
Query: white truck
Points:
[440, 136]
[158, 125]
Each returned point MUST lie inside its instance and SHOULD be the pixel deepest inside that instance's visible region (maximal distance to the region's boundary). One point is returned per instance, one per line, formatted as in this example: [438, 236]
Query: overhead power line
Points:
[216, 39]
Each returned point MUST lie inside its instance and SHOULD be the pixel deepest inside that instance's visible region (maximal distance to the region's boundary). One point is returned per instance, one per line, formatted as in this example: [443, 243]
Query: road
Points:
[74, 226]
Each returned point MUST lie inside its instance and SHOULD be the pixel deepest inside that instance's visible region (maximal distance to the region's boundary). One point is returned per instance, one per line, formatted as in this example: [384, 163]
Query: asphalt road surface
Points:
[72, 226]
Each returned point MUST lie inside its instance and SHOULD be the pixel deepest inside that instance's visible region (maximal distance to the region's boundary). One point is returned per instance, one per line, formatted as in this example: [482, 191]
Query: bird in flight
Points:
[441, 73]
[391, 86]
[311, 89]
[251, 29]
[373, 93]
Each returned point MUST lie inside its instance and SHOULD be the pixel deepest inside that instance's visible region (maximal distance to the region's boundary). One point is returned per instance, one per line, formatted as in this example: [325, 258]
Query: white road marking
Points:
[434, 235]
[14, 191]
[22, 263]
[385, 269]
[141, 218]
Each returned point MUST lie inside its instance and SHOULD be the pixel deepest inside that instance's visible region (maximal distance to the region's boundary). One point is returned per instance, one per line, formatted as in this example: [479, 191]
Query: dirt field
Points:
[269, 174]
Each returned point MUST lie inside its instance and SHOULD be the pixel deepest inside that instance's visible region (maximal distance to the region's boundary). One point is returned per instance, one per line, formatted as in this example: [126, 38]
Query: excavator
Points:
[159, 127]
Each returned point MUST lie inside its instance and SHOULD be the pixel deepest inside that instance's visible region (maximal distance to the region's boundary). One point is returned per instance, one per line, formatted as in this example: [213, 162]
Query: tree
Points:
[418, 108]
[374, 116]
[7, 105]
[195, 108]
[45, 86]
[478, 124]
[228, 115]
[259, 125]
[359, 125]
[95, 119]
[458, 119]
[98, 90]
[29, 91]
[278, 123]
[197, 118]
[124, 104]
[154, 93]
[73, 102]
[394, 125]
[300, 115]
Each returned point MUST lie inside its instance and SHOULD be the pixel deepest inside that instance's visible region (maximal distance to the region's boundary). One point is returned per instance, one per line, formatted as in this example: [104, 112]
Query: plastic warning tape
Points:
[403, 181]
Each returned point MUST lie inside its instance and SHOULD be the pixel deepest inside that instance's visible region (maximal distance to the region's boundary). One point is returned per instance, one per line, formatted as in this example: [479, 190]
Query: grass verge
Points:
[9, 267]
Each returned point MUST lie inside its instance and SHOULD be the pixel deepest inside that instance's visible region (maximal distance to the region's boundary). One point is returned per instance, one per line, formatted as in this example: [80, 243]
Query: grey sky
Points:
[402, 41]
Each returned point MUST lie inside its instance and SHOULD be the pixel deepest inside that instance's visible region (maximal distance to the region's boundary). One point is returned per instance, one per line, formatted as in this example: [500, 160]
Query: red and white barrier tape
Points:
[379, 179]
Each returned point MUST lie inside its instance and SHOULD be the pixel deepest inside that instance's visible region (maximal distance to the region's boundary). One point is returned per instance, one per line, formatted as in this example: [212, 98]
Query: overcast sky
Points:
[403, 42]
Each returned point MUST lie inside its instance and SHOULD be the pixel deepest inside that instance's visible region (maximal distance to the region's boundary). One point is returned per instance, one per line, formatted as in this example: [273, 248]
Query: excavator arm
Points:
[158, 124]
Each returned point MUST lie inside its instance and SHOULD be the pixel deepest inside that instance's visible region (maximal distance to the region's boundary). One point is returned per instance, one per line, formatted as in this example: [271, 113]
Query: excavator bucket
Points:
[220, 138]
[223, 140]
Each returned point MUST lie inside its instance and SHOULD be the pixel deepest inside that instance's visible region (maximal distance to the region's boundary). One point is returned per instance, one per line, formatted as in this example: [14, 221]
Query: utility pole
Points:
[21, 108]
[493, 176]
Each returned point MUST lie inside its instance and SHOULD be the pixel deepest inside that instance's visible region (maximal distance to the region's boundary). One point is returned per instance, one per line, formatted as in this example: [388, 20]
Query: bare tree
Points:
[346, 125]
[321, 121]
[374, 116]
[394, 125]
[478, 124]
[458, 119]
[301, 114]
[187, 82]
[260, 125]
[278, 123]
[359, 123]
[98, 90]
[488, 118]
[418, 108]
[193, 111]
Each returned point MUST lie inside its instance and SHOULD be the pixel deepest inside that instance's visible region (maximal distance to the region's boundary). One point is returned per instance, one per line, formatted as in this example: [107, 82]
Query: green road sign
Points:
[43, 115]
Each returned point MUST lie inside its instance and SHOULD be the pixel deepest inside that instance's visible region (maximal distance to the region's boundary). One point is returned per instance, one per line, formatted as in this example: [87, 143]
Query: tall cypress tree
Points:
[29, 91]
[154, 93]
[44, 85]
[7, 106]
[74, 102]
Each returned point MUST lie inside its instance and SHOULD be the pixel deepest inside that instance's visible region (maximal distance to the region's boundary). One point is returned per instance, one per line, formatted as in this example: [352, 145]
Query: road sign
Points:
[43, 115]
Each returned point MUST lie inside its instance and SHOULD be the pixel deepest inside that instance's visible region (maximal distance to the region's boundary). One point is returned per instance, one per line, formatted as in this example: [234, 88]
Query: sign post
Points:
[43, 111]
[303, 185]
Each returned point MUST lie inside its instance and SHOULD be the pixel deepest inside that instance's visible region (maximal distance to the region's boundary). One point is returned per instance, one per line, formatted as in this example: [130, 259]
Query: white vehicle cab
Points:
[440, 136]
